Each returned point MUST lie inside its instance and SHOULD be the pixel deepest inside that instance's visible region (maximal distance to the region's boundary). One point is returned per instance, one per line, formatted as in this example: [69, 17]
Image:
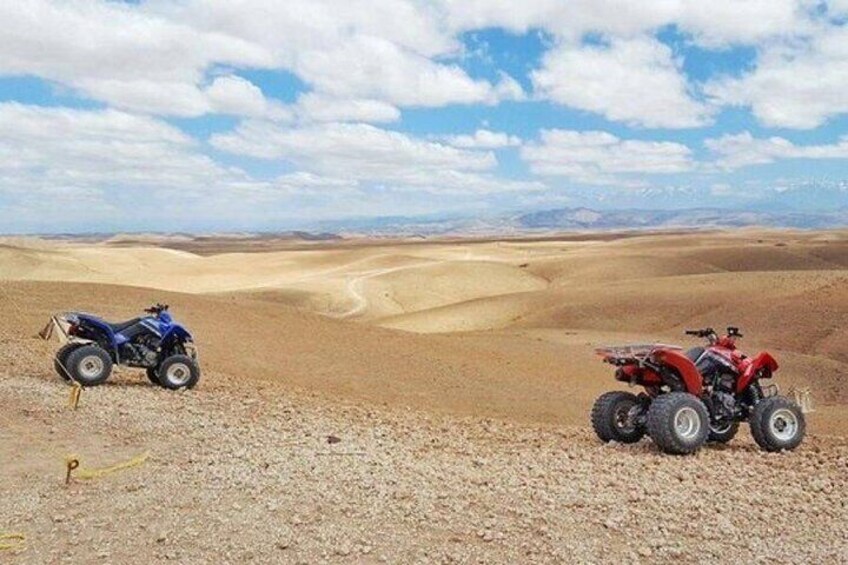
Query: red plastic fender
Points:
[692, 379]
[633, 374]
[762, 361]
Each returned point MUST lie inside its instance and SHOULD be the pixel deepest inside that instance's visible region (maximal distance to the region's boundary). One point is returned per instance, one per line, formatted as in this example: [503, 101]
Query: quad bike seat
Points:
[123, 325]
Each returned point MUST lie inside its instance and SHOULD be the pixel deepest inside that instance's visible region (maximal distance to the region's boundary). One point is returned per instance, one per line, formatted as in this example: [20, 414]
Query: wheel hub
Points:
[625, 417]
[179, 374]
[91, 366]
[687, 423]
[783, 424]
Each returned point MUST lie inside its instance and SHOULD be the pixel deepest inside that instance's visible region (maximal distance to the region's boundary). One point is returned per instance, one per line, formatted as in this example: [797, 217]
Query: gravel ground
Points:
[273, 475]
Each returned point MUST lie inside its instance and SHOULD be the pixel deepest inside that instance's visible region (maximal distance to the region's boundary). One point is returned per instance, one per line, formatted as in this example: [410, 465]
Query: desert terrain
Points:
[457, 375]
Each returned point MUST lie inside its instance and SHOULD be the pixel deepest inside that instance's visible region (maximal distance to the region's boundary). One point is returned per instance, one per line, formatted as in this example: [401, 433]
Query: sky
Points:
[217, 115]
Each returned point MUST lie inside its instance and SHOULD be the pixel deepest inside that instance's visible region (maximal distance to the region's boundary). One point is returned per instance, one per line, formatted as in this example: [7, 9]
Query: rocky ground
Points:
[269, 475]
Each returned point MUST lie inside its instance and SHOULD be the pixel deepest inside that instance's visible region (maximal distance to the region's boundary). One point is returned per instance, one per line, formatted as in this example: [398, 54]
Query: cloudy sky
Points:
[249, 114]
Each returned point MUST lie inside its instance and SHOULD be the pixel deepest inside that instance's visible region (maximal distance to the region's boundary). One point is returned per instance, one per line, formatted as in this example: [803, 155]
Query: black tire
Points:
[152, 375]
[608, 415]
[778, 424]
[678, 423]
[178, 371]
[89, 365]
[60, 359]
[724, 433]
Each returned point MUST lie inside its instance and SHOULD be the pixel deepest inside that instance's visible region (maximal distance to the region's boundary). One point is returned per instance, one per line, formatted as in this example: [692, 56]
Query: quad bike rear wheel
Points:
[722, 433]
[777, 424]
[89, 365]
[612, 417]
[678, 423]
[60, 359]
[178, 371]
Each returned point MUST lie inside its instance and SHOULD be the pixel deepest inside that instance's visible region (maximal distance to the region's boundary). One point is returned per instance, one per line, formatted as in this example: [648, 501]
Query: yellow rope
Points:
[72, 463]
[17, 541]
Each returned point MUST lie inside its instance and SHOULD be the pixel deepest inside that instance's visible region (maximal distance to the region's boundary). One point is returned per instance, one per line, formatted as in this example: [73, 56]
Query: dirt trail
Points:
[356, 290]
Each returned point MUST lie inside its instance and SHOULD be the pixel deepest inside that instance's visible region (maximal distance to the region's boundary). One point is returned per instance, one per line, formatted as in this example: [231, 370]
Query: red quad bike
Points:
[694, 397]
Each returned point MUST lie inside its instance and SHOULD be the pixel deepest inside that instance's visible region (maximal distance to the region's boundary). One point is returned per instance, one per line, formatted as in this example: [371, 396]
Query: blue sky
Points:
[259, 115]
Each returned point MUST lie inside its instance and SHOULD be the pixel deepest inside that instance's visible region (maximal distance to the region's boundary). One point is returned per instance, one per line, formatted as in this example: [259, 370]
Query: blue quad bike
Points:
[154, 342]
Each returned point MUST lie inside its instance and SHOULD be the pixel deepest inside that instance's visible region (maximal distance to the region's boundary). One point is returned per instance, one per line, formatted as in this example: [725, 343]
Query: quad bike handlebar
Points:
[157, 308]
[710, 333]
[706, 332]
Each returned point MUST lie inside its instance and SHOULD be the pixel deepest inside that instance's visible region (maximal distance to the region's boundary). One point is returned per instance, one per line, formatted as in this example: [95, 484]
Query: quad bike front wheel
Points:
[777, 424]
[678, 422]
[178, 371]
[613, 417]
[89, 365]
[153, 375]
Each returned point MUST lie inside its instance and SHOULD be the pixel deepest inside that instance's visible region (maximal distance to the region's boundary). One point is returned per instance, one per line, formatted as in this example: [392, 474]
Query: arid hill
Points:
[457, 377]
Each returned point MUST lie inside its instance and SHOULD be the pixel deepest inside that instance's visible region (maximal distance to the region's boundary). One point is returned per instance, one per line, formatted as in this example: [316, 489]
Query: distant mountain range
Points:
[546, 221]
[568, 219]
[585, 218]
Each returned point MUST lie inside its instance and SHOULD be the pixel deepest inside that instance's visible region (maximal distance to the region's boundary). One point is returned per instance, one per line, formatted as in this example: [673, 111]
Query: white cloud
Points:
[364, 61]
[118, 53]
[354, 150]
[637, 81]
[718, 24]
[64, 168]
[60, 146]
[370, 67]
[238, 96]
[507, 88]
[55, 147]
[358, 49]
[711, 23]
[596, 157]
[369, 154]
[155, 57]
[301, 181]
[741, 150]
[483, 139]
[320, 108]
[794, 85]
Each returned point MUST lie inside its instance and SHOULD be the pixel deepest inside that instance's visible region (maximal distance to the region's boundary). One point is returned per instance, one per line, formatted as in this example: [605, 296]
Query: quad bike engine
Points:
[723, 399]
[142, 353]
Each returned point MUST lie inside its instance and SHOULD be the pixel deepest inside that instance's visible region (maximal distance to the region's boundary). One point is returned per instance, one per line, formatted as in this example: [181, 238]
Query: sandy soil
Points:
[455, 447]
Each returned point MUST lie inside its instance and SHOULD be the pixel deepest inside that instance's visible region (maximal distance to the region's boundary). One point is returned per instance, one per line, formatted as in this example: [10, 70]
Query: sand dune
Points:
[295, 310]
[464, 436]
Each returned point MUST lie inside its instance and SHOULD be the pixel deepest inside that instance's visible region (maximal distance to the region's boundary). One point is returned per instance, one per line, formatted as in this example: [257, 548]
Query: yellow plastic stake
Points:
[15, 541]
[74, 398]
[71, 463]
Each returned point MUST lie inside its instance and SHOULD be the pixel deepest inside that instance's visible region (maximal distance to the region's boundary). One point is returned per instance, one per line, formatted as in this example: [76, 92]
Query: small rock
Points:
[486, 535]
